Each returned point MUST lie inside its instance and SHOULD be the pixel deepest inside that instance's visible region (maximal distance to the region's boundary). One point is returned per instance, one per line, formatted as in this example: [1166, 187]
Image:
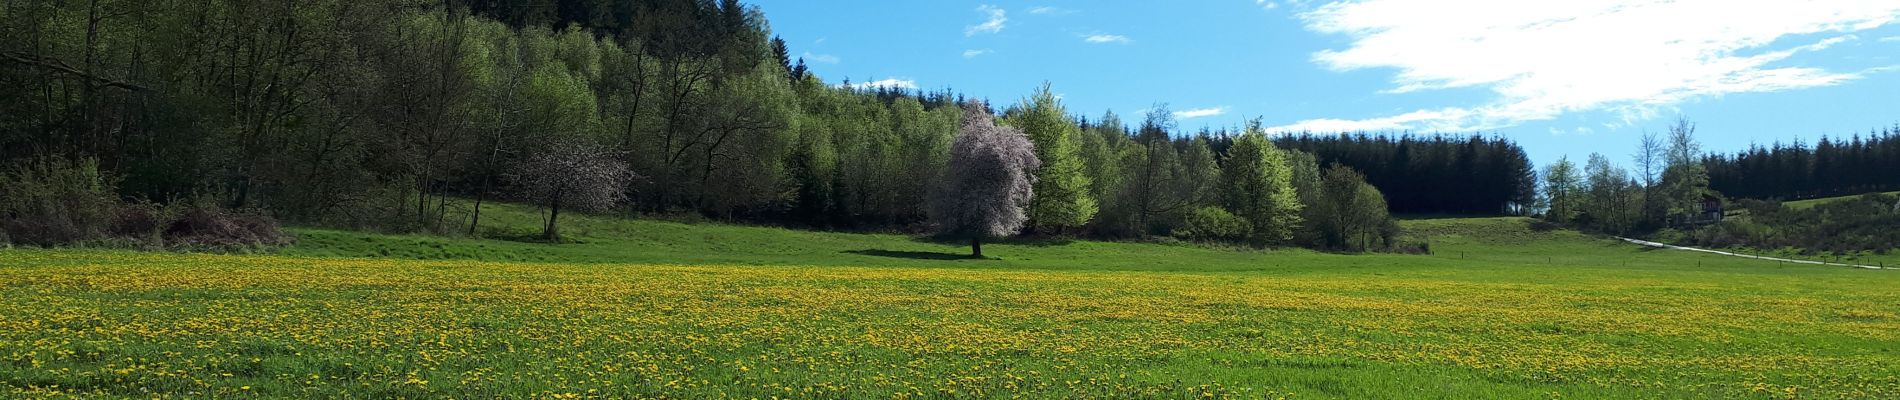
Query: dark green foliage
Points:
[1833, 166]
[1351, 213]
[408, 116]
[1435, 174]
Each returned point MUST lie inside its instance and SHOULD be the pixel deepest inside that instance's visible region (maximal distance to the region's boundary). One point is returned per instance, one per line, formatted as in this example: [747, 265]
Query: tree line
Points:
[1830, 167]
[1436, 174]
[1668, 188]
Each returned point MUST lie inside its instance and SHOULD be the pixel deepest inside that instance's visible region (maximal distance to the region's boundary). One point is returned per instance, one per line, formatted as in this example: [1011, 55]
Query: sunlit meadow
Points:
[122, 324]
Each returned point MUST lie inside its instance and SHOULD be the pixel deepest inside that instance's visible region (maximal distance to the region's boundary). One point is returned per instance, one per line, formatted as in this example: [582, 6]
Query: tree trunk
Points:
[976, 246]
[552, 232]
[475, 219]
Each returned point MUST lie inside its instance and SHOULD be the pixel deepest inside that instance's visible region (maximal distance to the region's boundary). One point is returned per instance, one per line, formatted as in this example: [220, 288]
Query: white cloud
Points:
[993, 25]
[1890, 39]
[823, 58]
[1266, 4]
[1047, 10]
[973, 53]
[1106, 38]
[1578, 131]
[1200, 112]
[1412, 120]
[1544, 59]
[886, 82]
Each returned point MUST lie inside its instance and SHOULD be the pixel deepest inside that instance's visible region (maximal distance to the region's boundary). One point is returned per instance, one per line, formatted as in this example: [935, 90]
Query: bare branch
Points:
[56, 65]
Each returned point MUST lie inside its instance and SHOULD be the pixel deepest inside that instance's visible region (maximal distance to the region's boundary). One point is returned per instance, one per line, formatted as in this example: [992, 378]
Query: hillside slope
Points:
[1810, 203]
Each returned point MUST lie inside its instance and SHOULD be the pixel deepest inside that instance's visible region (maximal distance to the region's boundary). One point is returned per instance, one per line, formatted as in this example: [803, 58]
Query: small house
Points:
[1711, 207]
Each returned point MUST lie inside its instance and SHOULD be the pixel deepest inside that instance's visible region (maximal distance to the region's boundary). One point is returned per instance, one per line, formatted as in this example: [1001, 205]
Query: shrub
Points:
[1669, 235]
[54, 200]
[141, 221]
[1214, 223]
[213, 227]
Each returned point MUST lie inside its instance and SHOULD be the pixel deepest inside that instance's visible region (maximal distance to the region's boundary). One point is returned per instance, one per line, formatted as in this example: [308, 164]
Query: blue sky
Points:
[1562, 78]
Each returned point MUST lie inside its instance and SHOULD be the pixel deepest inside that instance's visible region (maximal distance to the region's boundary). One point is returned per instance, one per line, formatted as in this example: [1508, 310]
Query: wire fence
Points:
[1754, 256]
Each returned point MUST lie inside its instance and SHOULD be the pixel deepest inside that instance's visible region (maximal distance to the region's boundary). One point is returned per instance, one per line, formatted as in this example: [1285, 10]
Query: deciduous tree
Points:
[1563, 191]
[988, 183]
[1258, 186]
[572, 175]
[1062, 187]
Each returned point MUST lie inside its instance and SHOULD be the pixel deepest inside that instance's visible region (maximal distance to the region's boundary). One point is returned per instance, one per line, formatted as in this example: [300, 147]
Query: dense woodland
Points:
[1829, 167]
[408, 115]
[1440, 174]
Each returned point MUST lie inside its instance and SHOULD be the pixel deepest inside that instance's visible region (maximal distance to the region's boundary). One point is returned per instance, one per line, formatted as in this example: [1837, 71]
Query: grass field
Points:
[1810, 203]
[658, 309]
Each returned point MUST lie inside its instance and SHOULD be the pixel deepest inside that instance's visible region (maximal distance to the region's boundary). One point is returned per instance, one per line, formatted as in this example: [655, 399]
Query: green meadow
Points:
[652, 309]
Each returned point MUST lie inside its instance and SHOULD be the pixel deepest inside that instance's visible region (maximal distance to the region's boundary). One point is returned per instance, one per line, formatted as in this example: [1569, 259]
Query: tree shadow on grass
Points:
[1033, 241]
[914, 255]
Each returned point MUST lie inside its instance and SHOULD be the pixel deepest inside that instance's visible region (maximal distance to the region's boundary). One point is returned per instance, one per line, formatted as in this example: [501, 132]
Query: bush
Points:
[1214, 223]
[142, 221]
[213, 227]
[1670, 236]
[51, 201]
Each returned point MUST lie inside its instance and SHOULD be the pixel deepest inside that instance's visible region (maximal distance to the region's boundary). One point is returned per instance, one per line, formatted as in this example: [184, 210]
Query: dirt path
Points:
[1668, 246]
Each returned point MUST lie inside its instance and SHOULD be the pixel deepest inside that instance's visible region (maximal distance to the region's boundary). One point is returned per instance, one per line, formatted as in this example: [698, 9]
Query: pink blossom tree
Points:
[573, 176]
[988, 182]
